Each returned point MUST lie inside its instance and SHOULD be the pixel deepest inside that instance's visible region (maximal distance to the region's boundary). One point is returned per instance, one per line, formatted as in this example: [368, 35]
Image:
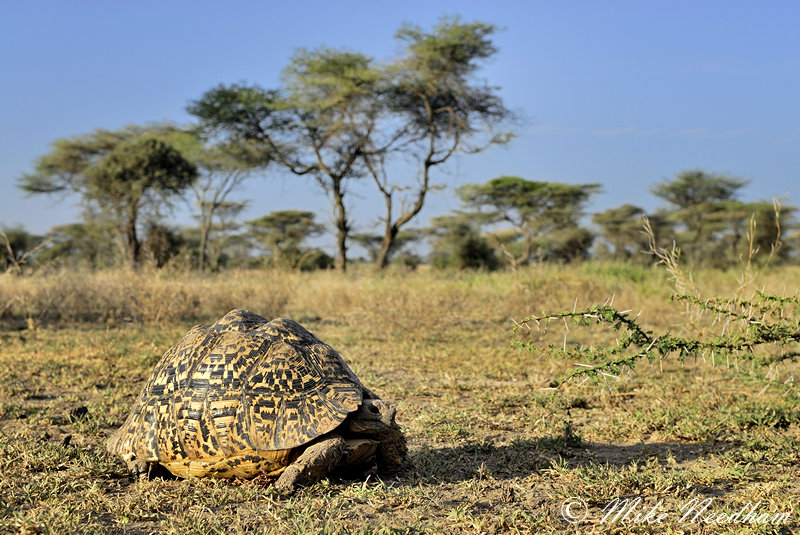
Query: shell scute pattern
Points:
[235, 392]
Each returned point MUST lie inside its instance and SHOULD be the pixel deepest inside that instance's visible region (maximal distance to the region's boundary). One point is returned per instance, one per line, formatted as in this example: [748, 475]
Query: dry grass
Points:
[147, 296]
[489, 451]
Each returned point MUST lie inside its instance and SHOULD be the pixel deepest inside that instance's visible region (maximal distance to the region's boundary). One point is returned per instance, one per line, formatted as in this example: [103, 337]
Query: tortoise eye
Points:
[374, 409]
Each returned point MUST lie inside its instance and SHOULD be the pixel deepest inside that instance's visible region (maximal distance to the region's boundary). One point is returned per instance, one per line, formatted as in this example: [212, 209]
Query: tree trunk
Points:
[391, 230]
[342, 228]
[132, 241]
[389, 234]
[277, 257]
[201, 256]
[386, 244]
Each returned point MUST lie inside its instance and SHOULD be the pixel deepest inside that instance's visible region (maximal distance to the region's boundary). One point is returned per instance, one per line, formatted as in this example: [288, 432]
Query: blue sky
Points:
[624, 93]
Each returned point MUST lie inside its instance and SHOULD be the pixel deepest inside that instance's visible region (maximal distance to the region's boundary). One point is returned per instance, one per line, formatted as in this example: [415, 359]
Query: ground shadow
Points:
[524, 457]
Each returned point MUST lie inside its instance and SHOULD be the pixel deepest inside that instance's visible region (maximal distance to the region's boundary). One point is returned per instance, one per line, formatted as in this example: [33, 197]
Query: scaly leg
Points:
[313, 464]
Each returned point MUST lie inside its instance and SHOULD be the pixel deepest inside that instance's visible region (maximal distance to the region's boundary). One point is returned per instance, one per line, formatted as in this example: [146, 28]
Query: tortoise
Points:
[246, 396]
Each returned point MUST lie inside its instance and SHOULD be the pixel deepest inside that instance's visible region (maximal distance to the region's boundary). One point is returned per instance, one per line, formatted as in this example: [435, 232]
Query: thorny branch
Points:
[767, 320]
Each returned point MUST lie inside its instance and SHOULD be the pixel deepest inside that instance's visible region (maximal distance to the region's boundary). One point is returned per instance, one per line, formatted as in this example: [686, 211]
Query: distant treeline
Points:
[505, 223]
[341, 116]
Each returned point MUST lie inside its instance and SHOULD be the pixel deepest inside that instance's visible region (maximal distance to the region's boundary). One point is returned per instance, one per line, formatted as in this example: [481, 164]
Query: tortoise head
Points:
[372, 417]
[375, 419]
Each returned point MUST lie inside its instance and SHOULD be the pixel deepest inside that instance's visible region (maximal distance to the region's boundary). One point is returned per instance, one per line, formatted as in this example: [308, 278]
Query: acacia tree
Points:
[545, 214]
[750, 230]
[701, 206]
[317, 124]
[714, 228]
[457, 242]
[135, 173]
[124, 172]
[283, 232]
[339, 116]
[439, 108]
[222, 168]
[771, 227]
[621, 228]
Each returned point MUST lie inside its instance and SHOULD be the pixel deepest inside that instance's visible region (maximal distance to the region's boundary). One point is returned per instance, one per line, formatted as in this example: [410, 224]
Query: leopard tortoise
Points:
[246, 396]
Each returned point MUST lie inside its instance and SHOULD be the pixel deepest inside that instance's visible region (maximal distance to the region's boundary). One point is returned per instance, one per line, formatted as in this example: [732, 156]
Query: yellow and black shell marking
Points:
[232, 399]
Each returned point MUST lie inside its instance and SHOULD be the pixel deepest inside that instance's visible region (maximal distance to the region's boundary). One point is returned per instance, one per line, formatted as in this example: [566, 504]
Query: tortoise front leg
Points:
[313, 464]
[359, 455]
